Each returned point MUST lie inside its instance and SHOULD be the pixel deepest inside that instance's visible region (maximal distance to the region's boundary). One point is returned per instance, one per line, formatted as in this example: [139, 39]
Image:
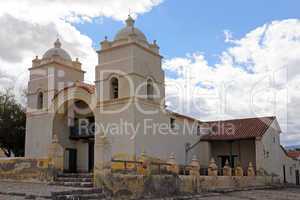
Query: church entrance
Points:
[74, 126]
[71, 155]
[91, 156]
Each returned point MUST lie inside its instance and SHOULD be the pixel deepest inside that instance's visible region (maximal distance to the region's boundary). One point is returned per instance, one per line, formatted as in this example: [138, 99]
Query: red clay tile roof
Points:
[236, 128]
[294, 154]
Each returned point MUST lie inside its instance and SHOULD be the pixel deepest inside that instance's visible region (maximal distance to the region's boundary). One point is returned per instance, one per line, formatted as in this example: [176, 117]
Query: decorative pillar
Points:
[195, 167]
[102, 153]
[56, 154]
[144, 169]
[102, 167]
[172, 167]
[239, 170]
[227, 171]
[250, 171]
[212, 168]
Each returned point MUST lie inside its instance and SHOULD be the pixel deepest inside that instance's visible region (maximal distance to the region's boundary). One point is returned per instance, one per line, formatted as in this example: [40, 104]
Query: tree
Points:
[12, 124]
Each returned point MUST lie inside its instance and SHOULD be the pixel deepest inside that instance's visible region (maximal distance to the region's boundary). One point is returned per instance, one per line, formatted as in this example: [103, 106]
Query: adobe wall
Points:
[138, 186]
[24, 169]
[271, 158]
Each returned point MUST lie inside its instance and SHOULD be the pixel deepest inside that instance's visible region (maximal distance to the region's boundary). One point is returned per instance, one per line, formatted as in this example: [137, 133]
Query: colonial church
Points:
[123, 114]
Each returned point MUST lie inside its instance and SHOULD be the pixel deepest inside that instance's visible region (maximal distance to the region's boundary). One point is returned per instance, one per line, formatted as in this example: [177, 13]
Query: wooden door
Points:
[72, 160]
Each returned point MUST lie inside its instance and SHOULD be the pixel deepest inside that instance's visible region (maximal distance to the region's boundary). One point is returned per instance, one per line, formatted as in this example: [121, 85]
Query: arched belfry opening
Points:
[114, 88]
[40, 100]
[74, 125]
[150, 89]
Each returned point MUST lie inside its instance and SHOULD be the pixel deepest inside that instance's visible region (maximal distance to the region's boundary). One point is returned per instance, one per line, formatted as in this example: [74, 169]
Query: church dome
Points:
[125, 32]
[57, 51]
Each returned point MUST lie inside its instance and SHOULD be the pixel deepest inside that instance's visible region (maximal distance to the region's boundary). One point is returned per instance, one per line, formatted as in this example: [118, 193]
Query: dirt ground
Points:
[20, 191]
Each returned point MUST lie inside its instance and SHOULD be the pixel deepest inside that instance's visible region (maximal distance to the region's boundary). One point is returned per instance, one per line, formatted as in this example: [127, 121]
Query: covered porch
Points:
[237, 151]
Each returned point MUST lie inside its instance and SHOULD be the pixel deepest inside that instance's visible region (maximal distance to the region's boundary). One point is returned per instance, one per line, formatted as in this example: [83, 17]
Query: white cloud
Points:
[29, 28]
[74, 10]
[258, 75]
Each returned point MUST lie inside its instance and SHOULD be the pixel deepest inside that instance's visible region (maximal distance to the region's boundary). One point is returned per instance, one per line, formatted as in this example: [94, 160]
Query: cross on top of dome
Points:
[130, 21]
[57, 43]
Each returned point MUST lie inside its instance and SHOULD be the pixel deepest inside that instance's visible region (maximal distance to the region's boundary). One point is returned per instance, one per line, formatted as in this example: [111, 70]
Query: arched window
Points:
[114, 82]
[40, 100]
[150, 89]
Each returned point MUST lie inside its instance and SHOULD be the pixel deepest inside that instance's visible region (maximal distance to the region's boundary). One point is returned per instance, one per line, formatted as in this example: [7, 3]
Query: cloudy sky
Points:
[223, 59]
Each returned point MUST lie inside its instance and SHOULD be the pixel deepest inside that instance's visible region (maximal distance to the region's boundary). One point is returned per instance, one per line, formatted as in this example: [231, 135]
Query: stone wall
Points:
[25, 169]
[138, 186]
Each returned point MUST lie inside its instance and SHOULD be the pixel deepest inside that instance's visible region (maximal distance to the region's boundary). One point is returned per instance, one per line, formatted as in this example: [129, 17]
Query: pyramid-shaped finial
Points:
[57, 43]
[130, 21]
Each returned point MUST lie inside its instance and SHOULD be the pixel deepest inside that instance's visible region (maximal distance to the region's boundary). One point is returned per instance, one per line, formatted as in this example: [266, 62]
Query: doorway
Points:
[284, 174]
[71, 155]
[91, 156]
[297, 177]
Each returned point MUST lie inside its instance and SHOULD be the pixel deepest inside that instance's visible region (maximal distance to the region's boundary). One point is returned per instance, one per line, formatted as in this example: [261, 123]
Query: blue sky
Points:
[182, 27]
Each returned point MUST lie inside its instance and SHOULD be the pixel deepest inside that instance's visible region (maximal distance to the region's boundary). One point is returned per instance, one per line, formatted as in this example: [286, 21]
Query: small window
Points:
[114, 88]
[172, 123]
[40, 100]
[274, 140]
[149, 89]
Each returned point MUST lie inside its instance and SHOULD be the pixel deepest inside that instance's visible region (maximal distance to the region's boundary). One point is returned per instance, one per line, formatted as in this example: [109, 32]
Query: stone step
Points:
[79, 194]
[74, 184]
[78, 191]
[75, 175]
[80, 197]
[72, 179]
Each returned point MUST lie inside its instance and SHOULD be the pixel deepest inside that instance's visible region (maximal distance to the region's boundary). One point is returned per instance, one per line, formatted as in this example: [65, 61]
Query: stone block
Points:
[195, 167]
[212, 168]
[172, 167]
[239, 170]
[250, 171]
[227, 171]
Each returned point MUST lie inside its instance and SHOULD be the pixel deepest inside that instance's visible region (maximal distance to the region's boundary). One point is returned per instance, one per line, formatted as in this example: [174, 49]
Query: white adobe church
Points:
[125, 109]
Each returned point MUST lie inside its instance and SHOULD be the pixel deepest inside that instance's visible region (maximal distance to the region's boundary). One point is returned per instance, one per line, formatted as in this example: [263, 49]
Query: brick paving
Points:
[42, 191]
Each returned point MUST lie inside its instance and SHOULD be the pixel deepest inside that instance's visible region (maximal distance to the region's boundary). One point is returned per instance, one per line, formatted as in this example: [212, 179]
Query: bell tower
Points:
[133, 60]
[54, 71]
[129, 80]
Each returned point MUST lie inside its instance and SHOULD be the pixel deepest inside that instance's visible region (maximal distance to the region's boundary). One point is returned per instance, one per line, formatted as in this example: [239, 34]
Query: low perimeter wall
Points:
[138, 186]
[25, 169]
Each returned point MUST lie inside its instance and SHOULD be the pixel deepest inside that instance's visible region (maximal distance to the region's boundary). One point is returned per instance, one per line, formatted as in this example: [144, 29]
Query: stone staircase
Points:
[79, 194]
[81, 187]
[81, 180]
